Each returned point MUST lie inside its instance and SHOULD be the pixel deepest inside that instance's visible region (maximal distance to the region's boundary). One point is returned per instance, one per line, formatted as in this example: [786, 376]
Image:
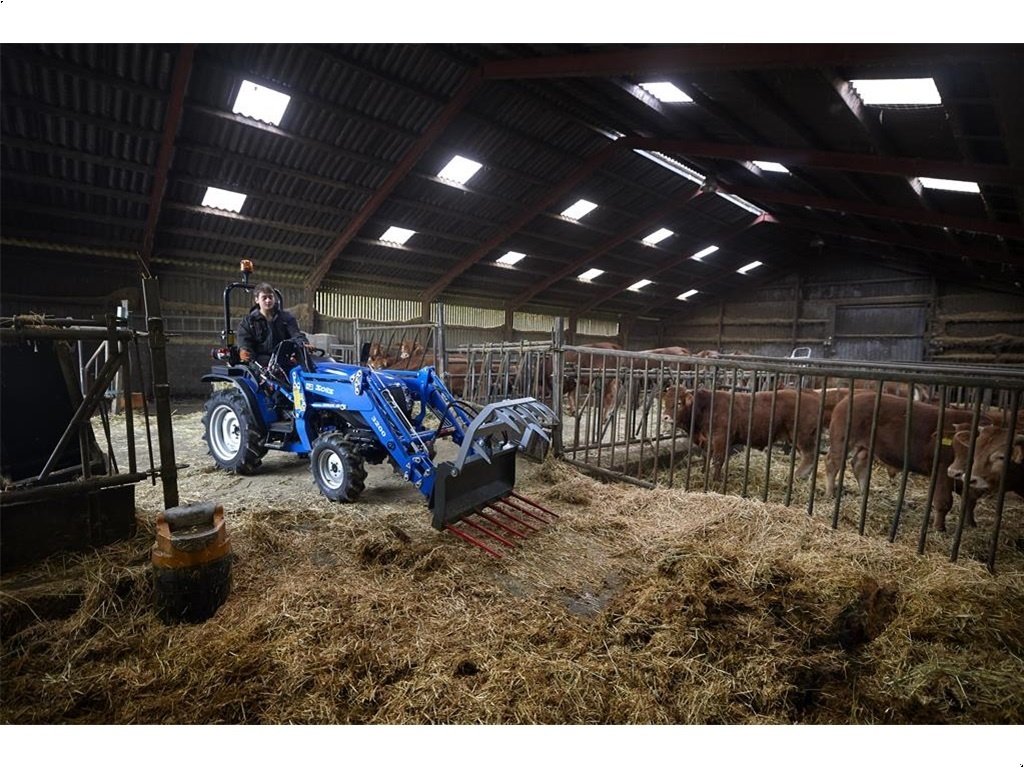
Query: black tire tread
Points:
[253, 449]
[353, 460]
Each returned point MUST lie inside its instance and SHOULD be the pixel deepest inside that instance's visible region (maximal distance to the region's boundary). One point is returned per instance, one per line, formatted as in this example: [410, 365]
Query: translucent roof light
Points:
[512, 257]
[579, 209]
[919, 91]
[656, 237]
[638, 285]
[688, 294]
[397, 235]
[459, 170]
[749, 267]
[666, 92]
[706, 252]
[768, 165]
[950, 185]
[223, 199]
[590, 274]
[261, 103]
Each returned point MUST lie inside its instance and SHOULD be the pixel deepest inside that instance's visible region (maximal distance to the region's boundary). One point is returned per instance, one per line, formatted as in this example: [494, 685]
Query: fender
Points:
[232, 375]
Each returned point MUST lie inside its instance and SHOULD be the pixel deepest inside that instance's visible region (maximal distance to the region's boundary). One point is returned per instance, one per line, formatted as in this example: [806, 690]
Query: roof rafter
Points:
[679, 201]
[909, 215]
[696, 58]
[917, 243]
[172, 121]
[583, 171]
[404, 166]
[840, 161]
[674, 261]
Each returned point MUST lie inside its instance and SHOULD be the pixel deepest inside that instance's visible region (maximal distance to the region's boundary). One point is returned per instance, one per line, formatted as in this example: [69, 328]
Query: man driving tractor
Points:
[266, 326]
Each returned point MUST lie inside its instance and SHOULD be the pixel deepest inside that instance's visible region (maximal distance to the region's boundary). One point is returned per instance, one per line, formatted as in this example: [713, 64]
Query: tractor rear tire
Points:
[231, 434]
[337, 468]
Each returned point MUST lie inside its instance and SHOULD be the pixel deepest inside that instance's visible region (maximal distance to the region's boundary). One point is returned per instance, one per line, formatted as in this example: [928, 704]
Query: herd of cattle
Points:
[720, 420]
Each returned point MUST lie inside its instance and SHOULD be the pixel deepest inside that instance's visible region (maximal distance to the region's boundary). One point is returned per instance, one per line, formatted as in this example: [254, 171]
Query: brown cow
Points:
[990, 460]
[668, 351]
[681, 406]
[889, 441]
[410, 356]
[575, 379]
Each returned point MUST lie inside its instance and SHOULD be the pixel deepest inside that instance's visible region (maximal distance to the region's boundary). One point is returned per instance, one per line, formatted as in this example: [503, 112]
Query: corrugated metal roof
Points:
[82, 126]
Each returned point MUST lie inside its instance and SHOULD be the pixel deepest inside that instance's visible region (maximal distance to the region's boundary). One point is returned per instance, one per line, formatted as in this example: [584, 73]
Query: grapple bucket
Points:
[473, 495]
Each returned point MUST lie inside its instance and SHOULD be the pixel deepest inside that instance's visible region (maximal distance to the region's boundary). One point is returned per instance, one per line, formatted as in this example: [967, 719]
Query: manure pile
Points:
[637, 606]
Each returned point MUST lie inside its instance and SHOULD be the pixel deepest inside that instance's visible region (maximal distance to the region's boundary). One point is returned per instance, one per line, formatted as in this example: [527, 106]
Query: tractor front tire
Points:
[231, 434]
[337, 468]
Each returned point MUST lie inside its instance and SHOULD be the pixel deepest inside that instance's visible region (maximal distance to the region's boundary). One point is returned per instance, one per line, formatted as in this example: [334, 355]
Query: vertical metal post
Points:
[817, 444]
[965, 502]
[441, 357]
[871, 459]
[161, 390]
[933, 477]
[906, 464]
[1011, 433]
[557, 374]
[774, 381]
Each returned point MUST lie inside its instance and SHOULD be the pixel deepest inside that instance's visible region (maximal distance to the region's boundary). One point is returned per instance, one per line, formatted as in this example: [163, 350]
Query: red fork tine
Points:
[489, 532]
[515, 495]
[507, 514]
[473, 540]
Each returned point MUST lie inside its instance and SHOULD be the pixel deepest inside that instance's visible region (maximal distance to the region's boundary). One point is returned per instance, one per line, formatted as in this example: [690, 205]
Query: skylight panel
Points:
[768, 165]
[699, 255]
[459, 170]
[590, 274]
[666, 92]
[512, 257]
[749, 267]
[656, 237]
[397, 235]
[579, 209]
[687, 294]
[261, 103]
[919, 91]
[639, 285]
[223, 199]
[950, 185]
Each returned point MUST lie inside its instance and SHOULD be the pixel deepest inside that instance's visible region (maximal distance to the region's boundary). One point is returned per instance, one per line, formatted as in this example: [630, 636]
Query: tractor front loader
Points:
[344, 416]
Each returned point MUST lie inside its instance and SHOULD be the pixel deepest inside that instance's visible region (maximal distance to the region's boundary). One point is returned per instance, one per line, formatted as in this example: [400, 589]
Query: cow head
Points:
[989, 456]
[378, 356]
[677, 405]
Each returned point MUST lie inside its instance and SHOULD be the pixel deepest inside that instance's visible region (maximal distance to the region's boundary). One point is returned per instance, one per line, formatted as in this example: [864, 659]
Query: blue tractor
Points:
[343, 416]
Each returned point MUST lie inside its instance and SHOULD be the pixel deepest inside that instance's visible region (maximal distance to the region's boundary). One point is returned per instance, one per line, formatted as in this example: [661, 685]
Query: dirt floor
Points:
[636, 607]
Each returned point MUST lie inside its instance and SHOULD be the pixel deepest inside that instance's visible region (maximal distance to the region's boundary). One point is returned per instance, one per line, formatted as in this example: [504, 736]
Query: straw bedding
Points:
[637, 606]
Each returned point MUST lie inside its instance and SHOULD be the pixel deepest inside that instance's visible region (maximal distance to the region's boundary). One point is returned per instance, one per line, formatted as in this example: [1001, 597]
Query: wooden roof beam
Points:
[654, 217]
[539, 206]
[714, 57]
[400, 171]
[960, 252]
[909, 215]
[840, 161]
[172, 121]
[672, 262]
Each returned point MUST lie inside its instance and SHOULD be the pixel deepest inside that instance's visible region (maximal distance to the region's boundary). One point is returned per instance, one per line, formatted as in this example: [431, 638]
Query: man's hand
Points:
[245, 355]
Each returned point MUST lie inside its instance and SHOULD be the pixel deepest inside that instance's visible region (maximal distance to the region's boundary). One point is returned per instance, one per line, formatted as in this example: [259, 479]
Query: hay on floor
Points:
[637, 606]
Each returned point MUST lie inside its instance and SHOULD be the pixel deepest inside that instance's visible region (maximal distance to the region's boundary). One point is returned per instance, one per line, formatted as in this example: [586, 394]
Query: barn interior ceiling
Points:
[770, 153]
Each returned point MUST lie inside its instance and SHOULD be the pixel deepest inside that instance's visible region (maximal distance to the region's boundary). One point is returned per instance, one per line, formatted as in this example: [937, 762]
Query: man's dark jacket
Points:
[255, 333]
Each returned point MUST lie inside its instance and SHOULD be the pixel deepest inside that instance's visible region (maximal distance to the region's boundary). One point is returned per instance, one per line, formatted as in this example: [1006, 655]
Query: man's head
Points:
[266, 299]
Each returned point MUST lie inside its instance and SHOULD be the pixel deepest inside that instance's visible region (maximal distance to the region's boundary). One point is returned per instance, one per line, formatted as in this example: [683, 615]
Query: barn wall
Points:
[861, 312]
[974, 326]
[84, 286]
